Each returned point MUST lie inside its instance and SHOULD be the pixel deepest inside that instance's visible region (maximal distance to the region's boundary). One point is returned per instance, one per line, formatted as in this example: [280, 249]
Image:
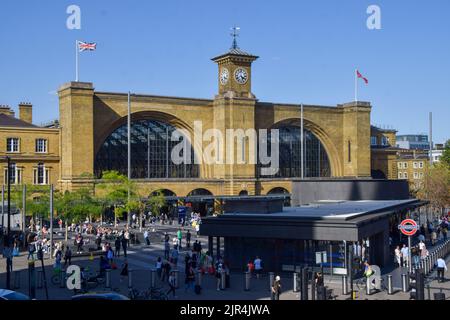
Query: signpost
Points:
[409, 228]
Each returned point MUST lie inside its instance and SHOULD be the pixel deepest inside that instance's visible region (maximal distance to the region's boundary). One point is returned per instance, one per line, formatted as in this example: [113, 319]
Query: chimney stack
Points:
[5, 109]
[26, 112]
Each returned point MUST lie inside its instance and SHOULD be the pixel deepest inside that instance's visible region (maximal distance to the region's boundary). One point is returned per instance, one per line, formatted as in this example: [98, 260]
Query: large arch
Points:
[151, 147]
[164, 192]
[200, 192]
[105, 132]
[321, 135]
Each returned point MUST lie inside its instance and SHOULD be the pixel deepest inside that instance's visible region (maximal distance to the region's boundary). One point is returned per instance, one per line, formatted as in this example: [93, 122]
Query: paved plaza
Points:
[142, 258]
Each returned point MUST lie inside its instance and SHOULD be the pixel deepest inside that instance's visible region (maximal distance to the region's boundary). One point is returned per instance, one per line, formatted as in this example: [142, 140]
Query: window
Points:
[41, 145]
[400, 175]
[405, 165]
[12, 145]
[16, 175]
[415, 166]
[41, 174]
[399, 165]
[405, 175]
[384, 141]
[421, 165]
[420, 175]
[416, 175]
[349, 151]
[373, 141]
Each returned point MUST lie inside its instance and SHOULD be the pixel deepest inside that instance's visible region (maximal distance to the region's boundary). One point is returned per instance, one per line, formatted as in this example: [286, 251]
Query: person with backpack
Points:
[276, 288]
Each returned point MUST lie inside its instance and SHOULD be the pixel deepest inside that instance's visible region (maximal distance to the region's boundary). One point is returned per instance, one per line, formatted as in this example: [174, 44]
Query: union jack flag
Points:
[83, 46]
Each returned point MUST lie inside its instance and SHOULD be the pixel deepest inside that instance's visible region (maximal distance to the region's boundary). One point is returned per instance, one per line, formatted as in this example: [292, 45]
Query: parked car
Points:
[12, 295]
[100, 296]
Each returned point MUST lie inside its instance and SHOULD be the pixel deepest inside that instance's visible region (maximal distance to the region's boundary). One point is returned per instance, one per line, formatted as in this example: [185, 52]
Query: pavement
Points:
[142, 258]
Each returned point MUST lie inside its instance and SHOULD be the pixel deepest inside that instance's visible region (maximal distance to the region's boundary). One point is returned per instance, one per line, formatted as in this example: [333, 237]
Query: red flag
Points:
[361, 76]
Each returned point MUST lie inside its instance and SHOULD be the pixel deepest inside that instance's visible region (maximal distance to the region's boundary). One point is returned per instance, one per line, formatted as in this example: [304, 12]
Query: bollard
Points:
[222, 279]
[247, 277]
[108, 279]
[271, 280]
[153, 278]
[130, 278]
[198, 279]
[62, 279]
[17, 279]
[404, 283]
[368, 287]
[177, 278]
[40, 277]
[389, 285]
[344, 285]
[296, 277]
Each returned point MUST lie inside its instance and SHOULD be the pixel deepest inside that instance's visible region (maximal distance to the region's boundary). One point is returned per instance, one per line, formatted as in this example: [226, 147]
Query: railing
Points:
[429, 263]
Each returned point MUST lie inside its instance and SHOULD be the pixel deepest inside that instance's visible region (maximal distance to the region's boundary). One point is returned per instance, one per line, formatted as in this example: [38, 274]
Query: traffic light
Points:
[417, 285]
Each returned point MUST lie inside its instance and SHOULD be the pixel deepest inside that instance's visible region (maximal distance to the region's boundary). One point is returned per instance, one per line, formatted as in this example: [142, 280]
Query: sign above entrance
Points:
[408, 227]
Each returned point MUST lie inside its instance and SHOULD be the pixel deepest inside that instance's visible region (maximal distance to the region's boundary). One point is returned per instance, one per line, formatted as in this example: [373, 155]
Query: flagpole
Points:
[76, 60]
[356, 85]
[302, 142]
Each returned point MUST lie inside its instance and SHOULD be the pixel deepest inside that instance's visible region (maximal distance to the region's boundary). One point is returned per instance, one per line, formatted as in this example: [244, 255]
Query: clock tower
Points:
[235, 71]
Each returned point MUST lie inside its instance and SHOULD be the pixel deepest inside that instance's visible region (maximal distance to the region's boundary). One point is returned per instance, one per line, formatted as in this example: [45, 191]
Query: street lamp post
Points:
[8, 237]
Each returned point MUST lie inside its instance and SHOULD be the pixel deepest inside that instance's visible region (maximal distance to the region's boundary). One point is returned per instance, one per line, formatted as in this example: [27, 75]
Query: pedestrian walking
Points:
[258, 267]
[398, 256]
[405, 255]
[441, 269]
[179, 237]
[117, 245]
[67, 257]
[219, 267]
[158, 266]
[190, 278]
[8, 255]
[276, 288]
[147, 237]
[172, 284]
[188, 239]
[124, 241]
[124, 272]
[166, 250]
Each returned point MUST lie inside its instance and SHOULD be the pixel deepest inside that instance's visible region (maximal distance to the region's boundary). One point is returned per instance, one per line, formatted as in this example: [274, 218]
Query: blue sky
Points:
[308, 52]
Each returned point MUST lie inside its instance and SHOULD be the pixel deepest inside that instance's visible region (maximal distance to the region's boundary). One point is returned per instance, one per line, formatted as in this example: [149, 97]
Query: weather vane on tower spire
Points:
[235, 34]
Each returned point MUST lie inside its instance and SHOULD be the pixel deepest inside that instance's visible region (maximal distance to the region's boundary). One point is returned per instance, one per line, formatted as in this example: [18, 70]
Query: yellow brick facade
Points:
[27, 159]
[87, 117]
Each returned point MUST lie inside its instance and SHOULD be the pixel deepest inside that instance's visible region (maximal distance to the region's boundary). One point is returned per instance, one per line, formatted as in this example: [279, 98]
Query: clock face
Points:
[241, 75]
[224, 76]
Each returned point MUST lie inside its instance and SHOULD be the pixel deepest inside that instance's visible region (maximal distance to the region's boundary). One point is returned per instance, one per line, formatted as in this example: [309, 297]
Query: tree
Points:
[436, 186]
[113, 191]
[446, 154]
[156, 201]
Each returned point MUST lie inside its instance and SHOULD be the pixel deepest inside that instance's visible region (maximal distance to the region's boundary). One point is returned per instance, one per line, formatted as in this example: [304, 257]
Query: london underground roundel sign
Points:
[408, 227]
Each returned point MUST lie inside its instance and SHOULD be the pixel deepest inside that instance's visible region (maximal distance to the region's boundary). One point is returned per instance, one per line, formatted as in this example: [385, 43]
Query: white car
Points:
[12, 295]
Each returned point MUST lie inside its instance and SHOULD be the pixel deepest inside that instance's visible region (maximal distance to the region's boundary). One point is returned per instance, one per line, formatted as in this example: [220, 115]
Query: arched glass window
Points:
[151, 148]
[316, 162]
